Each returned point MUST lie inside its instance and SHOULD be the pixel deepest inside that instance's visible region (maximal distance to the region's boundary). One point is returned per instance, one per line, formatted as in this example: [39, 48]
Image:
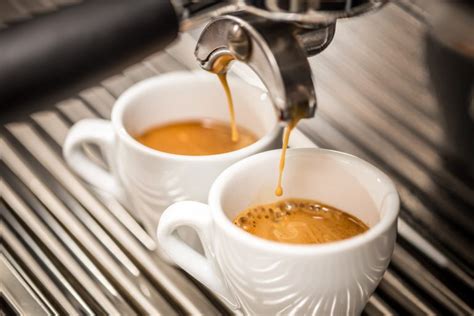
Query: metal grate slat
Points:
[61, 301]
[21, 293]
[56, 258]
[100, 260]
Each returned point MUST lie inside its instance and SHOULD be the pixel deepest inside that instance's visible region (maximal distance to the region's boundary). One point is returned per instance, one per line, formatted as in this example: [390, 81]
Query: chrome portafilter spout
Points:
[274, 38]
[274, 50]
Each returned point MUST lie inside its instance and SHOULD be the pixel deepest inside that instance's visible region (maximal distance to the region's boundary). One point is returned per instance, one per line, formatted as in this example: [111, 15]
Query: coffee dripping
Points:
[275, 38]
[220, 68]
[296, 221]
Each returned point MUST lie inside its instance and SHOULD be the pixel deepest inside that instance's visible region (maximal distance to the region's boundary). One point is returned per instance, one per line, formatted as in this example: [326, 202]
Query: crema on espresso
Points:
[299, 221]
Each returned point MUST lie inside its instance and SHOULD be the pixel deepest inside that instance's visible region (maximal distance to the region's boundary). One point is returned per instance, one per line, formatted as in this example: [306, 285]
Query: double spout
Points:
[276, 51]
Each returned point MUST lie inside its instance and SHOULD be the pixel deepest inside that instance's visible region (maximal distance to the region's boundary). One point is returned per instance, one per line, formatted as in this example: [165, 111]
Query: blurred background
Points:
[395, 87]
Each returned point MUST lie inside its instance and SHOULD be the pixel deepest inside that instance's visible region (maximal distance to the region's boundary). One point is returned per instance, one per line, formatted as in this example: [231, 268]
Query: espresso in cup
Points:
[196, 137]
[201, 137]
[299, 221]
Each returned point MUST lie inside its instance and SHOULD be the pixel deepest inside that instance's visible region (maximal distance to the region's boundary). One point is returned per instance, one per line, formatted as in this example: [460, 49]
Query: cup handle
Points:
[100, 133]
[198, 217]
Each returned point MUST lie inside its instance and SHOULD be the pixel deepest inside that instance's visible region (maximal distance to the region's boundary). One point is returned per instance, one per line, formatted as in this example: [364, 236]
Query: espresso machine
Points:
[273, 37]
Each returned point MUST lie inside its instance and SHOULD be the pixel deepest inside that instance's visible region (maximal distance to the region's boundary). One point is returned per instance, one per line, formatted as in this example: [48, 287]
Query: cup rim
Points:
[220, 218]
[126, 100]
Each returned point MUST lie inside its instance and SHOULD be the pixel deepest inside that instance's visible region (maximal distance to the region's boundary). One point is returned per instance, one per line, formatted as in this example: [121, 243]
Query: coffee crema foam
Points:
[195, 138]
[299, 221]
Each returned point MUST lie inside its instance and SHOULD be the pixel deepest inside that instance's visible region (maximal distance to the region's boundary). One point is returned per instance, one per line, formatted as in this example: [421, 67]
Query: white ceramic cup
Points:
[263, 277]
[148, 180]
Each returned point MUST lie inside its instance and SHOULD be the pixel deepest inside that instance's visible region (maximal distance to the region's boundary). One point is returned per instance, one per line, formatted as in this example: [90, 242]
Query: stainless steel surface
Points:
[73, 250]
[272, 50]
[18, 292]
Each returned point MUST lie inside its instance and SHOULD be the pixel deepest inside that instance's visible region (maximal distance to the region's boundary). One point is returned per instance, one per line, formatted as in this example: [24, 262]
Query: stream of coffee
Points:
[219, 68]
[284, 146]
